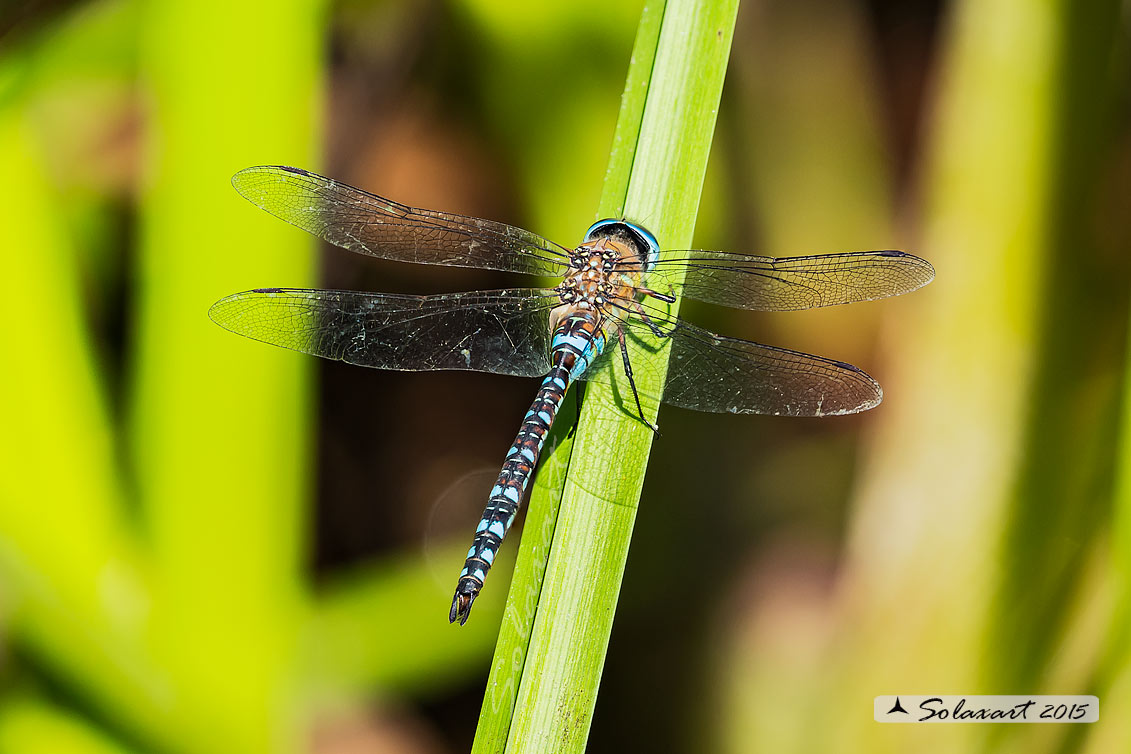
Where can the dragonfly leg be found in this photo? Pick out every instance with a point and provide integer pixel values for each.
(667, 299)
(656, 329)
(632, 382)
(578, 394)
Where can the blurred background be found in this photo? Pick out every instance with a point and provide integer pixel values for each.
(211, 545)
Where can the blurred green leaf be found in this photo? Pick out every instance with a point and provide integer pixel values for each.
(379, 626)
(30, 726)
(968, 552)
(65, 548)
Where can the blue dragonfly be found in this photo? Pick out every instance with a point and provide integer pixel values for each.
(614, 287)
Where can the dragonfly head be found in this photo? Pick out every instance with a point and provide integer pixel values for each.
(626, 232)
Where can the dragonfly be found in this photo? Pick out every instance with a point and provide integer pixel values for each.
(615, 288)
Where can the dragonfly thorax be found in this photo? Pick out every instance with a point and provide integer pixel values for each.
(597, 276)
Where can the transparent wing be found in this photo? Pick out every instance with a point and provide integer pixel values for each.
(505, 332)
(789, 283)
(709, 372)
(369, 224)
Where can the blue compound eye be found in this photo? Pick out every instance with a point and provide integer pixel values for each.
(595, 230)
(641, 235)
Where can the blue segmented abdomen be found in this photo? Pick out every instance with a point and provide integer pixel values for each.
(585, 347)
(577, 341)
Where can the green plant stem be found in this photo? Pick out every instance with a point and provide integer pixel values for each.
(549, 485)
(655, 177)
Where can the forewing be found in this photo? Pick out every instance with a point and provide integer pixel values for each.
(708, 372)
(504, 332)
(369, 224)
(788, 283)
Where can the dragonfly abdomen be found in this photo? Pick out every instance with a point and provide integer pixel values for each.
(578, 339)
(509, 490)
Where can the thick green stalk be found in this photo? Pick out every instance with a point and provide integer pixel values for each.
(655, 177)
(221, 426)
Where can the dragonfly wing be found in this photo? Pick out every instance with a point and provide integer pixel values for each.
(709, 372)
(789, 283)
(369, 224)
(505, 332)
